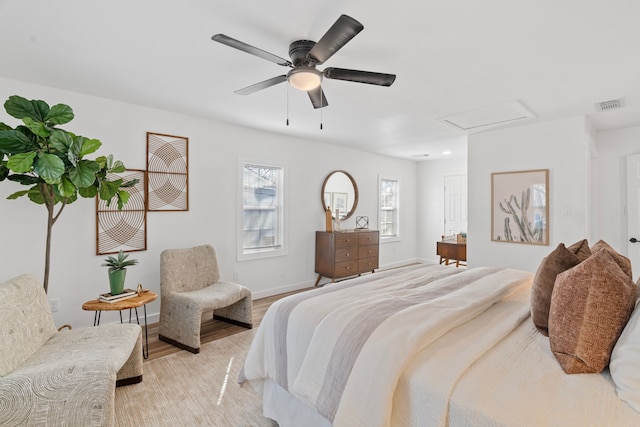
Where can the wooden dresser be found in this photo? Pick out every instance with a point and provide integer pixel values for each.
(346, 253)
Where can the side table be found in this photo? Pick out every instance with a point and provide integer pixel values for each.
(127, 304)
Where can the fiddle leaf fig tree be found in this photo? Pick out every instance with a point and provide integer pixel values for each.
(51, 162)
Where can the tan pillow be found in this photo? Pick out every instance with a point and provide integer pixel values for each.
(590, 305)
(559, 260)
(623, 261)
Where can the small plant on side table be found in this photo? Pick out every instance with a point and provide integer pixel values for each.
(118, 271)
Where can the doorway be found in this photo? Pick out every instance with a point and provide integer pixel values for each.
(455, 204)
(633, 206)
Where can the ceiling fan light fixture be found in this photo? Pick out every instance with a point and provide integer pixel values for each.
(304, 78)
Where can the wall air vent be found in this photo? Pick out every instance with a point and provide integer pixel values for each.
(614, 104)
(488, 117)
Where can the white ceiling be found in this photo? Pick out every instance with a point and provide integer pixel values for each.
(555, 57)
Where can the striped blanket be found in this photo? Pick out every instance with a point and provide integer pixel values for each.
(341, 349)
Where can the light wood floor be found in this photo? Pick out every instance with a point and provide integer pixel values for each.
(211, 329)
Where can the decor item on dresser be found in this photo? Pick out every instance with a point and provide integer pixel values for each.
(339, 187)
(32, 154)
(118, 271)
(520, 207)
(167, 172)
(189, 286)
(421, 345)
(328, 220)
(124, 228)
(362, 222)
(347, 253)
(59, 378)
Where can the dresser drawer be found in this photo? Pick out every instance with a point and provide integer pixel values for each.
(367, 264)
(347, 254)
(367, 251)
(346, 268)
(367, 238)
(345, 239)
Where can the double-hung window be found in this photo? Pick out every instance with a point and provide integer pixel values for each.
(389, 206)
(261, 222)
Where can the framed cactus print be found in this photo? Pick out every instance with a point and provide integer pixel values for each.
(520, 207)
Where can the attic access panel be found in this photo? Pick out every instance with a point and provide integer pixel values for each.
(488, 117)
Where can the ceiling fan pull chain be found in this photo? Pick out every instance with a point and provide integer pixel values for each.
(287, 105)
(321, 93)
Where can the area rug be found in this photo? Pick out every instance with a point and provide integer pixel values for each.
(185, 389)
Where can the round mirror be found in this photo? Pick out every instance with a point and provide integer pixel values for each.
(339, 192)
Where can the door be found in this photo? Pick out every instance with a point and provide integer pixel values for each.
(455, 204)
(633, 204)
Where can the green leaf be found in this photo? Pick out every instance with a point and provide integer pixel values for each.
(18, 194)
(108, 189)
(24, 179)
(21, 162)
(4, 126)
(49, 167)
(88, 192)
(117, 167)
(59, 114)
(13, 141)
(89, 146)
(123, 198)
(84, 174)
(19, 107)
(61, 140)
(35, 196)
(37, 127)
(130, 183)
(66, 188)
(4, 172)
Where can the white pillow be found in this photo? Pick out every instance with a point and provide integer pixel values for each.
(625, 362)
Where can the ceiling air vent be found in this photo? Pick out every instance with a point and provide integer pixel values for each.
(614, 104)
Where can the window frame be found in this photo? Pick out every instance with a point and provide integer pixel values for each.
(267, 252)
(396, 236)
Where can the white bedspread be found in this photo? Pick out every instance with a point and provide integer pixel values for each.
(330, 347)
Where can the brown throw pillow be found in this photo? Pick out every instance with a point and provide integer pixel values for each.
(559, 260)
(581, 249)
(623, 261)
(590, 305)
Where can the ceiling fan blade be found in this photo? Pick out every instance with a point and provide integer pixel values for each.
(380, 79)
(317, 97)
(262, 85)
(237, 44)
(343, 30)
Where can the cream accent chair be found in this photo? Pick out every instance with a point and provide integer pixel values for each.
(52, 378)
(190, 285)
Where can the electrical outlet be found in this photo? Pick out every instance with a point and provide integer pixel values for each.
(236, 275)
(55, 304)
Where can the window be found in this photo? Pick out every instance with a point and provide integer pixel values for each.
(261, 223)
(388, 216)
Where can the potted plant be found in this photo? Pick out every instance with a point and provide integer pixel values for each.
(51, 162)
(118, 271)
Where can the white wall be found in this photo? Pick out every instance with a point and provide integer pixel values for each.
(214, 149)
(609, 189)
(430, 187)
(563, 147)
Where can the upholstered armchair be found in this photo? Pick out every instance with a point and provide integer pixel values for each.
(189, 286)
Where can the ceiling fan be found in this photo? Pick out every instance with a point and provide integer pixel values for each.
(305, 55)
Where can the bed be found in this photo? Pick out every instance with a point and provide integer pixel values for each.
(422, 345)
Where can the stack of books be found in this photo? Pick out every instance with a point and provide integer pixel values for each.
(126, 294)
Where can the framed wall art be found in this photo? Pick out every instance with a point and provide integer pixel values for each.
(167, 172)
(520, 207)
(124, 229)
